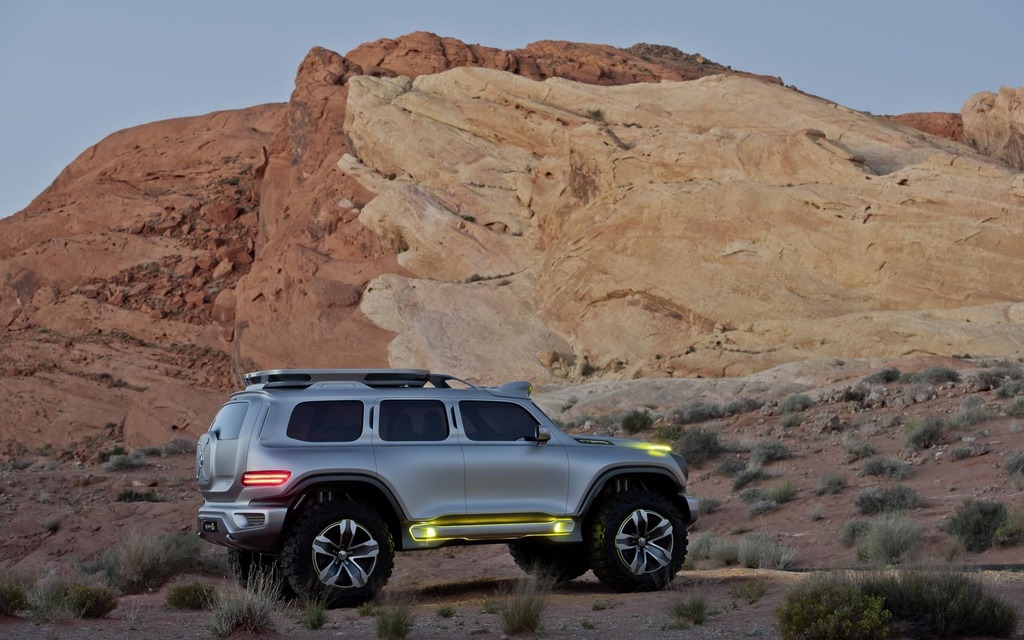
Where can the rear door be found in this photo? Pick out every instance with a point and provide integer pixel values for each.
(221, 451)
(505, 472)
(419, 456)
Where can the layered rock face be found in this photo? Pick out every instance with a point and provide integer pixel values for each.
(557, 212)
(674, 229)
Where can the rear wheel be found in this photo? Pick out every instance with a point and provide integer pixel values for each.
(560, 562)
(338, 552)
(637, 541)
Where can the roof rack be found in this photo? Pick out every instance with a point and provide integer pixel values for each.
(369, 377)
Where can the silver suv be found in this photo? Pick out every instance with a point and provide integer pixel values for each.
(326, 473)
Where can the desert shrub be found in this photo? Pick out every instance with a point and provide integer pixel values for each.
(699, 444)
(961, 452)
(730, 467)
(116, 450)
(762, 506)
(125, 462)
(751, 494)
(891, 539)
(831, 608)
(710, 505)
(250, 610)
(768, 450)
(750, 475)
(523, 607)
(636, 421)
(926, 432)
(750, 590)
(179, 446)
(742, 405)
(146, 452)
(897, 497)
(1014, 463)
(1011, 532)
(314, 614)
(831, 483)
(724, 551)
(367, 609)
(131, 495)
(1015, 409)
(854, 394)
(47, 599)
(783, 492)
(791, 421)
(12, 598)
(1010, 388)
(446, 611)
(975, 523)
(84, 601)
(760, 551)
(191, 595)
(934, 375)
(943, 604)
(796, 402)
(141, 561)
(853, 531)
(669, 433)
(889, 374)
(692, 609)
(886, 468)
(973, 411)
(857, 449)
(698, 411)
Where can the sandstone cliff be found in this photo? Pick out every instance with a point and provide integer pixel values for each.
(557, 212)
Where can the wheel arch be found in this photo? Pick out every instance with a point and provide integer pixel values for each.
(621, 479)
(358, 488)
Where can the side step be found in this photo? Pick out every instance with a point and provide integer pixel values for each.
(426, 532)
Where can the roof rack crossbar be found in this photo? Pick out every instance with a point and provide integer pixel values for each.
(307, 377)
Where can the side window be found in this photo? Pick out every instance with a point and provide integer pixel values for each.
(487, 421)
(413, 421)
(228, 423)
(326, 421)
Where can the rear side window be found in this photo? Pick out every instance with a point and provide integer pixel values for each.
(228, 423)
(326, 421)
(487, 421)
(413, 421)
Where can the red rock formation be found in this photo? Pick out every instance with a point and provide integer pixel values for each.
(936, 123)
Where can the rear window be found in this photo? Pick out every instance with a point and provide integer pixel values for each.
(228, 423)
(326, 421)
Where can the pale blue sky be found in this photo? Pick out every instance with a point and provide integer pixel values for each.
(73, 71)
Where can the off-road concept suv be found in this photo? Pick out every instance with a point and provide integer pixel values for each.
(326, 473)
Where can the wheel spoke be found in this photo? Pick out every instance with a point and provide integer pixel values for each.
(329, 577)
(368, 549)
(323, 545)
(659, 554)
(355, 573)
(664, 528)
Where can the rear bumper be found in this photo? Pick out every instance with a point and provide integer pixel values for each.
(243, 528)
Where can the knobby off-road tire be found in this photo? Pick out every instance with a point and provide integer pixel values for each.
(559, 562)
(637, 541)
(247, 566)
(338, 552)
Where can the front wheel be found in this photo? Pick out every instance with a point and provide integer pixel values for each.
(637, 541)
(340, 553)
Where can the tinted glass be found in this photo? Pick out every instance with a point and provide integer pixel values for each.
(327, 421)
(413, 421)
(228, 423)
(496, 421)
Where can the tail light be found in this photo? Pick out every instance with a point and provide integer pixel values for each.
(265, 478)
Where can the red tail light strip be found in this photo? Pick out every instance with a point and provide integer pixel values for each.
(265, 478)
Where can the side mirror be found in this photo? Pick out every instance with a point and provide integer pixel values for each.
(543, 435)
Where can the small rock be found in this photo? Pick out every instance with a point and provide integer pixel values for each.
(223, 270)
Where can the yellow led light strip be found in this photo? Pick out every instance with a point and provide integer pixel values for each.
(426, 532)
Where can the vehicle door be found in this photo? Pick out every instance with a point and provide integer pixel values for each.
(419, 457)
(508, 471)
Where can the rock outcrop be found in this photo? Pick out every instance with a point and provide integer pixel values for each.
(558, 212)
(994, 124)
